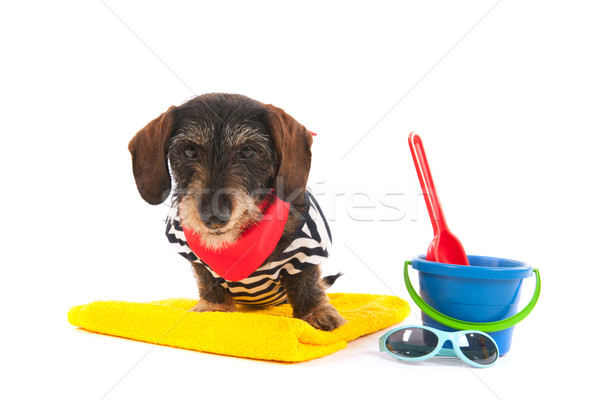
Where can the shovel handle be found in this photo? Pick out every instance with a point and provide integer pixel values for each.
(436, 215)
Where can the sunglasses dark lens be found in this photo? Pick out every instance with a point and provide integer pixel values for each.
(478, 348)
(412, 342)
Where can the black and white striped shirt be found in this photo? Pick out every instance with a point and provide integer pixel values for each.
(309, 246)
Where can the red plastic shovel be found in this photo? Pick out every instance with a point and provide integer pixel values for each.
(445, 246)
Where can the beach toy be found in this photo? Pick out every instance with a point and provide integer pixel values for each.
(445, 246)
(460, 292)
(483, 296)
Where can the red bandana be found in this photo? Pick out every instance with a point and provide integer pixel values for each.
(253, 247)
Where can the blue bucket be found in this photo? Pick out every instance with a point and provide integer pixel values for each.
(486, 291)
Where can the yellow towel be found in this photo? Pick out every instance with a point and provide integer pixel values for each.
(266, 334)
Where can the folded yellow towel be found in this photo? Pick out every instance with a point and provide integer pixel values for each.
(266, 334)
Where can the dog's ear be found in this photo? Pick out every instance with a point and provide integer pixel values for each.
(292, 147)
(148, 150)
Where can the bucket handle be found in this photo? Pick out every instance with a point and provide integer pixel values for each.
(464, 325)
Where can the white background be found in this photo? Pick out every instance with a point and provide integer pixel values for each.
(508, 109)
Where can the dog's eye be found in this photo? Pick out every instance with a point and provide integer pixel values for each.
(190, 152)
(247, 153)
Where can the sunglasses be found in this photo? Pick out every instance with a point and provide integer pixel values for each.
(416, 343)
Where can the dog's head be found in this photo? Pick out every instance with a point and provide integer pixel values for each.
(227, 153)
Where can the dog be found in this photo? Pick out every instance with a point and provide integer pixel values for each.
(241, 212)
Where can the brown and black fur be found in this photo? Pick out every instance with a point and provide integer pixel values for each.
(227, 153)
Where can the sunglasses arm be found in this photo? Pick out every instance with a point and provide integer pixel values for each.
(382, 343)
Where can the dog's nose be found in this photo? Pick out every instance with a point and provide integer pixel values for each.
(214, 221)
(215, 211)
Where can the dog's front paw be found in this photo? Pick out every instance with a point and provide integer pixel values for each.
(204, 306)
(324, 317)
